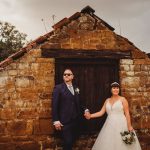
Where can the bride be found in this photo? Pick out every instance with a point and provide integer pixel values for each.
(118, 120)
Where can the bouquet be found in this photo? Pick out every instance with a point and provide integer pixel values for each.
(128, 137)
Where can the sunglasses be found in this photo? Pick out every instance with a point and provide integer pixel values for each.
(67, 74)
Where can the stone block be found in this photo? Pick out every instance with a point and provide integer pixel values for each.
(44, 95)
(144, 68)
(99, 46)
(137, 68)
(28, 95)
(22, 82)
(77, 45)
(130, 73)
(26, 72)
(13, 65)
(27, 113)
(7, 114)
(3, 74)
(66, 46)
(3, 81)
(126, 62)
(44, 60)
(131, 82)
(7, 146)
(27, 58)
(12, 72)
(5, 138)
(28, 146)
(146, 122)
(46, 66)
(35, 53)
(48, 144)
(124, 67)
(139, 61)
(24, 138)
(51, 45)
(35, 67)
(43, 126)
(23, 66)
(2, 128)
(45, 113)
(46, 103)
(18, 127)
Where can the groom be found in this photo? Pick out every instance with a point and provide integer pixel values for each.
(66, 110)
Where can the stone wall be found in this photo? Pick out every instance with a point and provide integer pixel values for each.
(25, 98)
(87, 33)
(135, 84)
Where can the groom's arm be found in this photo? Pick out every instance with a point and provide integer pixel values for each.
(55, 104)
(55, 107)
(83, 107)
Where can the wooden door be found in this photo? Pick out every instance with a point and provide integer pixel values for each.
(93, 77)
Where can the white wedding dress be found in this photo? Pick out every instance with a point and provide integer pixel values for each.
(109, 137)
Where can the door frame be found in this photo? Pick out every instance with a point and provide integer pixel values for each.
(78, 61)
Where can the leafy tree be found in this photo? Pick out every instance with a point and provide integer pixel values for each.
(11, 40)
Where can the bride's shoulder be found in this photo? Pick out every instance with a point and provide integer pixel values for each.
(107, 100)
(123, 99)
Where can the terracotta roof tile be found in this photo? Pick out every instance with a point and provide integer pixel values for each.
(61, 23)
(74, 16)
(105, 23)
(41, 39)
(6, 62)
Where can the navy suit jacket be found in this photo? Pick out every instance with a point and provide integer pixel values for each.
(62, 103)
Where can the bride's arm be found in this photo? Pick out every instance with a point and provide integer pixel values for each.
(99, 113)
(127, 114)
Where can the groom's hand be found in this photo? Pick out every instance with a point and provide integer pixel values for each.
(58, 126)
(87, 115)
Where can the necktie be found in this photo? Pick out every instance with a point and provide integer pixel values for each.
(71, 89)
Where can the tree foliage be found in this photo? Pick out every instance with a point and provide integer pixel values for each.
(11, 40)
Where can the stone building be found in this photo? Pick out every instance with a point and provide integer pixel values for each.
(97, 55)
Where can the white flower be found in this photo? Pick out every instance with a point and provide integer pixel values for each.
(128, 136)
(77, 90)
(124, 138)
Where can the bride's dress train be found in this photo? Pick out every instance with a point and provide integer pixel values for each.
(109, 137)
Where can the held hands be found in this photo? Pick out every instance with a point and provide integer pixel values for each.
(87, 115)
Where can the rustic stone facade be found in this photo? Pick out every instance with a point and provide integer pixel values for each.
(135, 83)
(25, 91)
(27, 80)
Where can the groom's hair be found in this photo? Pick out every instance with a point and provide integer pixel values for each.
(68, 69)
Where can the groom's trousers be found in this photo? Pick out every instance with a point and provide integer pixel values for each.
(70, 133)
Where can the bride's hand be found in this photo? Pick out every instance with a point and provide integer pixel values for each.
(87, 115)
(130, 128)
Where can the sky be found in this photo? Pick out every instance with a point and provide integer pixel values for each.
(130, 18)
